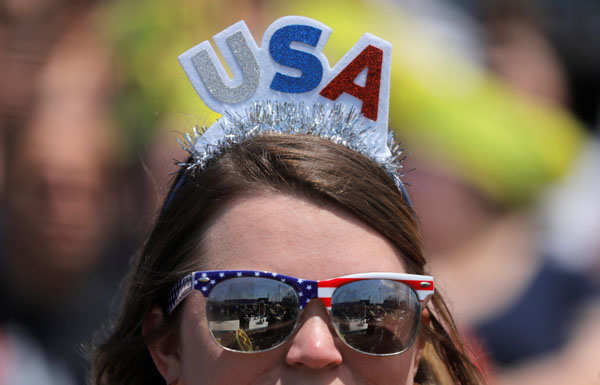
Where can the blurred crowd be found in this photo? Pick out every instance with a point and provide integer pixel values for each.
(497, 102)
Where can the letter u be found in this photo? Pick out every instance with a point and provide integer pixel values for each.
(214, 82)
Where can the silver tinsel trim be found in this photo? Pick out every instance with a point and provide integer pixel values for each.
(336, 122)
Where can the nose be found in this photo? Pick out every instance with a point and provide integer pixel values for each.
(313, 345)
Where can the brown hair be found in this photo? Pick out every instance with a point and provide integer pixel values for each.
(315, 168)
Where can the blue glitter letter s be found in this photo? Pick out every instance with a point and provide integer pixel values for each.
(309, 65)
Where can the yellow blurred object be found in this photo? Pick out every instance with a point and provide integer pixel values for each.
(451, 110)
(440, 104)
(243, 340)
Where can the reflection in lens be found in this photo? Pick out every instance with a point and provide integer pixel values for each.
(376, 316)
(251, 314)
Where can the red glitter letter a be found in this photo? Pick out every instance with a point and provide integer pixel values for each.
(370, 57)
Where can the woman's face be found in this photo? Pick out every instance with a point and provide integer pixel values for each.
(288, 235)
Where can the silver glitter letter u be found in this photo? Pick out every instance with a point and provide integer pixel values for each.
(213, 81)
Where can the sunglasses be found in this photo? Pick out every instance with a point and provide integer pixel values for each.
(254, 311)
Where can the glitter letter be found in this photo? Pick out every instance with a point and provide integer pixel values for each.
(372, 58)
(213, 81)
(309, 65)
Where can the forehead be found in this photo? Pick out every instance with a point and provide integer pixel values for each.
(290, 235)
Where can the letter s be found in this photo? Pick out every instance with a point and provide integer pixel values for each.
(309, 65)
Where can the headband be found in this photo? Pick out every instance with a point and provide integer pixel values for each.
(287, 86)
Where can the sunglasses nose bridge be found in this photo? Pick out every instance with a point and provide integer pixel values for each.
(320, 307)
(326, 303)
(324, 294)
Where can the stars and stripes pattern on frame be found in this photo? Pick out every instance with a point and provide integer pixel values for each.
(205, 281)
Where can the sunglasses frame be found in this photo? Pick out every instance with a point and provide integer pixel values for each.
(205, 281)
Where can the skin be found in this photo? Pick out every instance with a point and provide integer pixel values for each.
(285, 234)
(60, 204)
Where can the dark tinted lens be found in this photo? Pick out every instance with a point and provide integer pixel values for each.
(376, 316)
(251, 314)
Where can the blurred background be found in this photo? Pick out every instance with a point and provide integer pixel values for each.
(496, 101)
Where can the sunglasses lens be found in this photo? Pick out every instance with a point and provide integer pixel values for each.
(376, 316)
(250, 314)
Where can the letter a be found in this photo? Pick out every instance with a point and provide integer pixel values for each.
(372, 58)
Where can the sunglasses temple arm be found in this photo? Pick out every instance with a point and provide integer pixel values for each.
(183, 288)
(425, 298)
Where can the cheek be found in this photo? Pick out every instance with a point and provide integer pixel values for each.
(391, 370)
(205, 363)
(197, 352)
